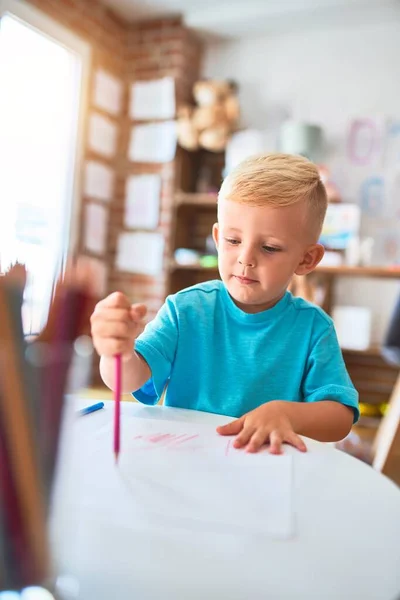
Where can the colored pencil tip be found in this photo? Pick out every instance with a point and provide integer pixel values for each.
(116, 455)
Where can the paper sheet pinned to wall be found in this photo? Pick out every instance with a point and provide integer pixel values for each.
(185, 475)
(95, 239)
(365, 141)
(153, 99)
(142, 202)
(153, 143)
(99, 181)
(103, 135)
(140, 253)
(107, 92)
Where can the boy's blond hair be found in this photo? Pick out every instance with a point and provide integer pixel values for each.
(277, 180)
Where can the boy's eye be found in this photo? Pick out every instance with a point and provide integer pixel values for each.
(271, 249)
(232, 241)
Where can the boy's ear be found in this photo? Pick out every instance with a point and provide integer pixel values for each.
(215, 234)
(312, 256)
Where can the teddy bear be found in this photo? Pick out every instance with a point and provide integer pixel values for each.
(212, 120)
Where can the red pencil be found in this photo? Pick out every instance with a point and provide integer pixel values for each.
(117, 407)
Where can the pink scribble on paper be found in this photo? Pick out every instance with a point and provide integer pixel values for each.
(228, 445)
(167, 440)
(158, 437)
(191, 437)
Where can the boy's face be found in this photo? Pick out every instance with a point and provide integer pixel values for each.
(259, 250)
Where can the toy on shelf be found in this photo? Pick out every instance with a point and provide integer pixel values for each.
(210, 123)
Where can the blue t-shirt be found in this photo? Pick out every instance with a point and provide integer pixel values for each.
(217, 358)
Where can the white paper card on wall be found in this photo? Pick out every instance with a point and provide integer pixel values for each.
(153, 99)
(365, 141)
(96, 228)
(153, 143)
(142, 203)
(99, 181)
(140, 253)
(107, 92)
(102, 135)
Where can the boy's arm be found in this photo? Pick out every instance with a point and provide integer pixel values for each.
(325, 421)
(156, 348)
(135, 372)
(150, 360)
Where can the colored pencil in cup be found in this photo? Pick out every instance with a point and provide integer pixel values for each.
(117, 407)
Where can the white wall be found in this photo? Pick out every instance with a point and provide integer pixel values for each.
(325, 76)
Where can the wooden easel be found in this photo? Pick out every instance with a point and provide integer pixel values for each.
(386, 446)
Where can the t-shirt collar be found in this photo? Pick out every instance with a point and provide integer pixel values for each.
(261, 317)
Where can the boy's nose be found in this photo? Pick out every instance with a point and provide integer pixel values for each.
(245, 264)
(246, 260)
(246, 257)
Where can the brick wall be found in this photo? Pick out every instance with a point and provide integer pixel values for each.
(144, 51)
(154, 49)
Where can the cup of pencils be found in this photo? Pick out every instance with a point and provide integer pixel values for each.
(33, 382)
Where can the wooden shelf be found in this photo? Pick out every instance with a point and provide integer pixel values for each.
(340, 271)
(202, 200)
(383, 272)
(372, 351)
(174, 266)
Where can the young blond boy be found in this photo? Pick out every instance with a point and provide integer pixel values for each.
(244, 346)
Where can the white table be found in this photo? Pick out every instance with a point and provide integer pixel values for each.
(347, 544)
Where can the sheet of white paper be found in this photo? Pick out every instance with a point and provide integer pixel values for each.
(142, 203)
(153, 99)
(184, 475)
(96, 228)
(365, 141)
(102, 135)
(99, 181)
(153, 143)
(107, 92)
(140, 253)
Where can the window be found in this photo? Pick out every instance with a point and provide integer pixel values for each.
(41, 89)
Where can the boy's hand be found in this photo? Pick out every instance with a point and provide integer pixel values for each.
(265, 423)
(115, 324)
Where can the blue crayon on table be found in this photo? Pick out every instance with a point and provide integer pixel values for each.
(92, 408)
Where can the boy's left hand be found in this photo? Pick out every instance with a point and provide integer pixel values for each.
(267, 423)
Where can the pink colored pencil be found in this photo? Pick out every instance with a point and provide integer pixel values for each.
(117, 407)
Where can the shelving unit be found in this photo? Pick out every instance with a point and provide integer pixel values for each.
(376, 272)
(193, 199)
(194, 215)
(213, 271)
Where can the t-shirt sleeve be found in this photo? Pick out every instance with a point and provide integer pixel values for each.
(326, 375)
(157, 344)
